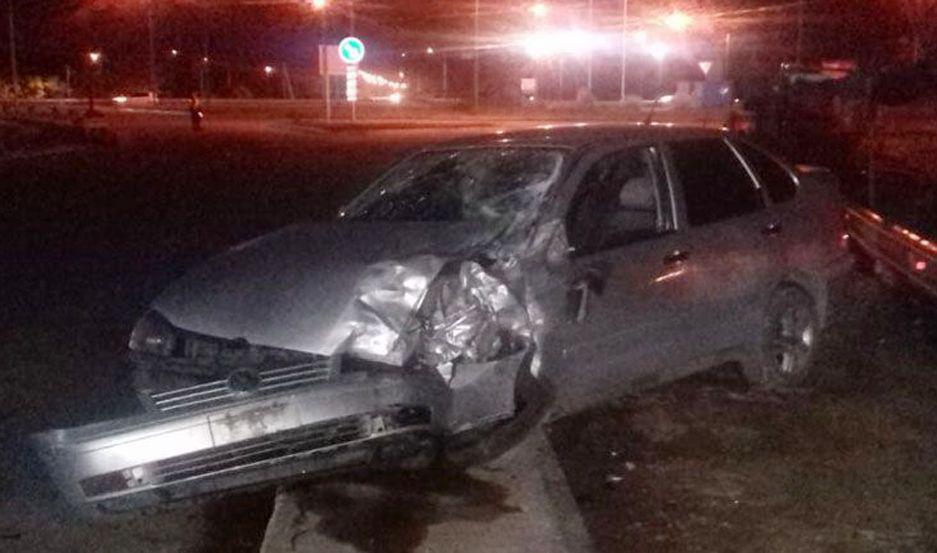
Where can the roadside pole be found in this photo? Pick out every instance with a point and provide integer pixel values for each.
(351, 88)
(624, 48)
(14, 74)
(151, 26)
(476, 68)
(326, 82)
(591, 11)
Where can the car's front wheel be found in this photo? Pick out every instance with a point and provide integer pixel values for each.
(789, 334)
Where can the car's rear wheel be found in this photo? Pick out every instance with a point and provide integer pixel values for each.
(788, 341)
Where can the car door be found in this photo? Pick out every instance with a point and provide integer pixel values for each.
(730, 238)
(628, 280)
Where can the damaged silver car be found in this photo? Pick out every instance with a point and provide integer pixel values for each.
(468, 292)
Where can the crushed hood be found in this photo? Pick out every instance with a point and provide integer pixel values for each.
(294, 288)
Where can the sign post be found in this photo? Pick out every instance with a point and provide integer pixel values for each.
(351, 87)
(351, 51)
(326, 76)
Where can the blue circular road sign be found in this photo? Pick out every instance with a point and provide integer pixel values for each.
(351, 50)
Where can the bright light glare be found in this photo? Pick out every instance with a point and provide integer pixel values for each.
(544, 44)
(377, 80)
(268, 70)
(658, 50)
(395, 98)
(678, 21)
(174, 52)
(640, 37)
(318, 4)
(430, 50)
(120, 99)
(95, 57)
(539, 10)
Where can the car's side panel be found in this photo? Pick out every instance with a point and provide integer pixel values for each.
(911, 255)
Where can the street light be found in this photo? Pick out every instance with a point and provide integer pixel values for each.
(94, 58)
(678, 21)
(268, 70)
(318, 4)
(174, 52)
(539, 10)
(430, 50)
(658, 50)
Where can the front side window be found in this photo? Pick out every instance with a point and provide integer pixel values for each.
(619, 201)
(490, 185)
(716, 185)
(779, 183)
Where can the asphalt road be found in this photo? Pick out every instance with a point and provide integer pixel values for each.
(90, 235)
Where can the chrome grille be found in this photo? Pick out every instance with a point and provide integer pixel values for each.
(258, 450)
(218, 392)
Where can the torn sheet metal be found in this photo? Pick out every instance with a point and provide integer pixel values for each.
(380, 322)
(470, 316)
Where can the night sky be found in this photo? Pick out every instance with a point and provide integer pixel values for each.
(242, 34)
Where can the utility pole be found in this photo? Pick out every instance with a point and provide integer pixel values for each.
(205, 73)
(476, 47)
(589, 61)
(800, 31)
(624, 47)
(151, 24)
(445, 76)
(727, 63)
(14, 75)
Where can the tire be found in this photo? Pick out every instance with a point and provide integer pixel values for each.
(789, 333)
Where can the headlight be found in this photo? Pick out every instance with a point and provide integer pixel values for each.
(153, 334)
(470, 316)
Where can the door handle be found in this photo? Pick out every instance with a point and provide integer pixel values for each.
(772, 229)
(676, 257)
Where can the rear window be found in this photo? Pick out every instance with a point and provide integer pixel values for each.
(716, 185)
(773, 176)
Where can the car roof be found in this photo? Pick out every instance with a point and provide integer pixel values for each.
(584, 135)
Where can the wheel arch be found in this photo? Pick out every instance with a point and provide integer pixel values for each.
(811, 284)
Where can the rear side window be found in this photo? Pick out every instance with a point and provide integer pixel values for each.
(773, 176)
(716, 185)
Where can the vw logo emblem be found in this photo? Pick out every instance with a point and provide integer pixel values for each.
(243, 381)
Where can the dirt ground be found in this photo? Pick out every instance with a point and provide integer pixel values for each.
(848, 465)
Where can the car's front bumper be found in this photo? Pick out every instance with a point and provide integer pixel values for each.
(385, 417)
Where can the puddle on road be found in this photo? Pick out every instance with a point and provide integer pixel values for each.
(236, 523)
(392, 513)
